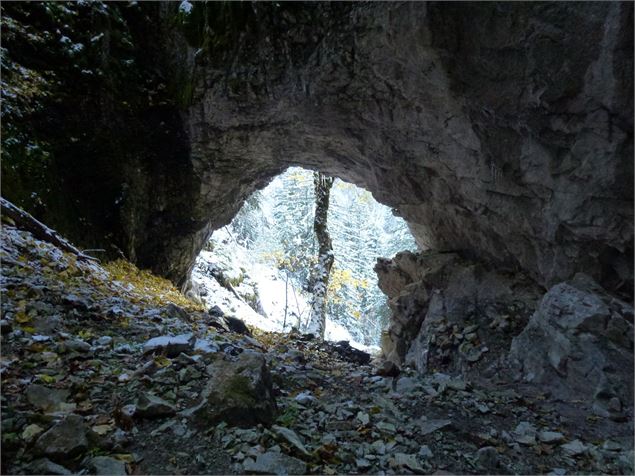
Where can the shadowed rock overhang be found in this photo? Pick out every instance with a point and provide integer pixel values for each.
(502, 131)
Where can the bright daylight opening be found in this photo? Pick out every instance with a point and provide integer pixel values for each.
(261, 267)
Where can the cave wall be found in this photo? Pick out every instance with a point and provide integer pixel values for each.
(502, 131)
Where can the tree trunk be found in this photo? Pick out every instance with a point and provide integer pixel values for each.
(322, 271)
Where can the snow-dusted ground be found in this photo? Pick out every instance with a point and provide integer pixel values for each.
(269, 285)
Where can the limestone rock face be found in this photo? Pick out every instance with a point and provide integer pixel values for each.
(579, 342)
(500, 142)
(458, 316)
(501, 130)
(452, 314)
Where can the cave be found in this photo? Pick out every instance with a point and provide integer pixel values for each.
(496, 130)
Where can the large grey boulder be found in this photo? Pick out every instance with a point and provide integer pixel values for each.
(579, 343)
(238, 392)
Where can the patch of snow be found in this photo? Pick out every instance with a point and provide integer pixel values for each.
(185, 7)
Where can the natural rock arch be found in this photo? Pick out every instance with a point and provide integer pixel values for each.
(503, 131)
(497, 130)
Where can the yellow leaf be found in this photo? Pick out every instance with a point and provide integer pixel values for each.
(46, 378)
(125, 457)
(162, 361)
(22, 317)
(103, 429)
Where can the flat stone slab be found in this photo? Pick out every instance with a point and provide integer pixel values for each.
(172, 346)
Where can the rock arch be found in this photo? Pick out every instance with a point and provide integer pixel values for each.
(495, 130)
(502, 131)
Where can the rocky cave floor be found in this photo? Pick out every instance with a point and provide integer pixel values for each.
(91, 383)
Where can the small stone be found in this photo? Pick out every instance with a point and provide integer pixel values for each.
(487, 457)
(456, 384)
(291, 437)
(64, 440)
(407, 384)
(305, 398)
(363, 418)
(77, 345)
(425, 452)
(239, 456)
(203, 346)
(406, 461)
(609, 445)
(525, 433)
(40, 338)
(31, 431)
(615, 405)
(362, 464)
(45, 398)
(574, 448)
(123, 349)
(385, 426)
(104, 340)
(151, 406)
(430, 426)
(274, 463)
(550, 437)
(106, 465)
(171, 346)
(558, 472)
(378, 447)
(46, 466)
(328, 439)
(482, 408)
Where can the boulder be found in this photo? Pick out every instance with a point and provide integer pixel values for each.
(64, 440)
(239, 392)
(579, 344)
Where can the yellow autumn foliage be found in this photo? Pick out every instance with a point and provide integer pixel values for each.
(154, 290)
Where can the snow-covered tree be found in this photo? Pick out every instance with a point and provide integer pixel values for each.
(276, 226)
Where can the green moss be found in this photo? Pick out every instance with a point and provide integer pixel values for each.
(238, 389)
(237, 281)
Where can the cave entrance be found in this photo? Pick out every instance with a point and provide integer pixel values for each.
(258, 267)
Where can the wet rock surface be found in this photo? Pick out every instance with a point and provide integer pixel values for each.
(118, 409)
